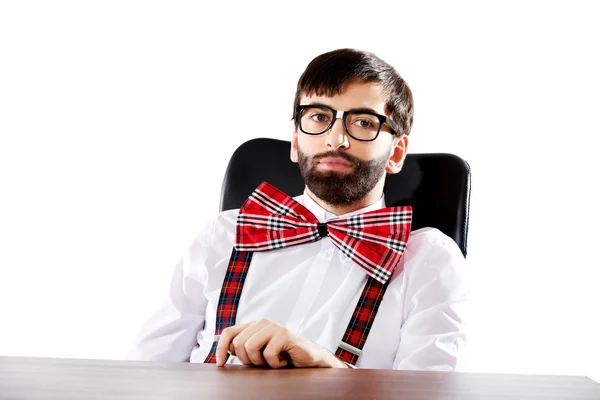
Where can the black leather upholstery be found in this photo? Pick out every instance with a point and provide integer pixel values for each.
(437, 186)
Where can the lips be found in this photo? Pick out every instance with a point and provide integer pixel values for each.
(335, 163)
(338, 161)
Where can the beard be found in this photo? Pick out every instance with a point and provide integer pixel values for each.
(344, 188)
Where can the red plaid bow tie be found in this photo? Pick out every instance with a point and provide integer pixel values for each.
(270, 219)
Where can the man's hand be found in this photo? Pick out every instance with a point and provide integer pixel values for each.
(265, 342)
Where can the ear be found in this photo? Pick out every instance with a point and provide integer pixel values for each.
(398, 153)
(294, 148)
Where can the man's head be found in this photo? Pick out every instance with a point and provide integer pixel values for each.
(352, 114)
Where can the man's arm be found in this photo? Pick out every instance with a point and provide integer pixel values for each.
(433, 332)
(171, 333)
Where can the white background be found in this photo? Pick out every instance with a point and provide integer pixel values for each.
(117, 120)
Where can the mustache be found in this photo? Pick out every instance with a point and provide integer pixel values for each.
(351, 159)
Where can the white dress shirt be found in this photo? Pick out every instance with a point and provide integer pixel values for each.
(312, 289)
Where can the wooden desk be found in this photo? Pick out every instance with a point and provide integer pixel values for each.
(47, 378)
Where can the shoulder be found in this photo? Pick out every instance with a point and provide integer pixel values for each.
(217, 228)
(225, 221)
(432, 259)
(431, 243)
(212, 243)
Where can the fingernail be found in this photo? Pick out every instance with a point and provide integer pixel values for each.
(218, 360)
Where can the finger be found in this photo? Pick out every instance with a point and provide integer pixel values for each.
(239, 342)
(274, 352)
(225, 340)
(257, 342)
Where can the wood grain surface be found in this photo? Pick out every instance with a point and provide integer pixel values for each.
(49, 378)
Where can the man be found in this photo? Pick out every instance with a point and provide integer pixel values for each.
(303, 299)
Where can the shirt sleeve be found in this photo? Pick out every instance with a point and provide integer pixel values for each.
(171, 332)
(433, 332)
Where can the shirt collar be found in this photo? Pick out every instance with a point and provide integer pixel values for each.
(324, 215)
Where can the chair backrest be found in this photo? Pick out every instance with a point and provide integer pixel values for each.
(437, 186)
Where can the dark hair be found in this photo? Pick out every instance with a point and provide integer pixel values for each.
(328, 74)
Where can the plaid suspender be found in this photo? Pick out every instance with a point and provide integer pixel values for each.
(356, 333)
(233, 283)
(362, 319)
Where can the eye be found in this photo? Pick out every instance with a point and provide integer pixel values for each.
(319, 117)
(363, 123)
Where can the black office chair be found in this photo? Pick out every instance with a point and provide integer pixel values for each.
(437, 186)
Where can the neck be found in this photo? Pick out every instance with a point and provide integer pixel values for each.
(371, 197)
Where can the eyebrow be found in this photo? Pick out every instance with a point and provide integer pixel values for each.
(359, 110)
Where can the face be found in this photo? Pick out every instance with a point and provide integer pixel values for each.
(339, 169)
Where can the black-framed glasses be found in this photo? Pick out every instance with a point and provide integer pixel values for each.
(359, 124)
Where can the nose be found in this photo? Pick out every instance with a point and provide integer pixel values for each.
(337, 138)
